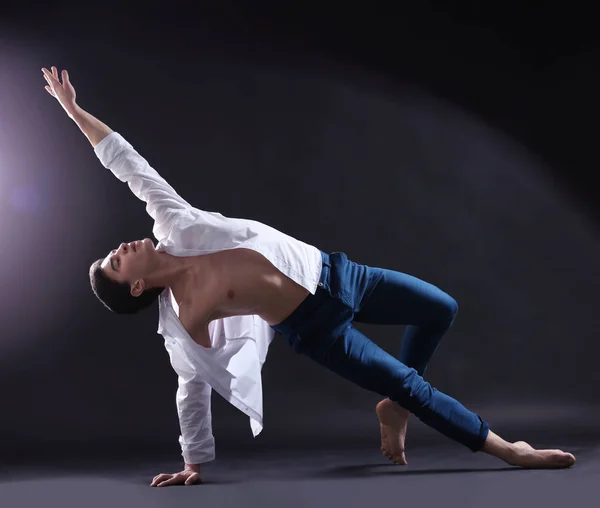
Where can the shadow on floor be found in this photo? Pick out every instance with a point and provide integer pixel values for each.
(367, 470)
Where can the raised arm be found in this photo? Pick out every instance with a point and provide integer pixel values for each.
(65, 93)
(164, 204)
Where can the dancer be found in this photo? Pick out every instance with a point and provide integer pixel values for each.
(224, 286)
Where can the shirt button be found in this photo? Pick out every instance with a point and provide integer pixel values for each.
(320, 284)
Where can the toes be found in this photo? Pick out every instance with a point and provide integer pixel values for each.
(398, 458)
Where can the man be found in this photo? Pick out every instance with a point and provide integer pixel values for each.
(225, 286)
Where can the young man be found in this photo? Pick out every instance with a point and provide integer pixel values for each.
(225, 286)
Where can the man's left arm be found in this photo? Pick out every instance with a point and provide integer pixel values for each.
(163, 203)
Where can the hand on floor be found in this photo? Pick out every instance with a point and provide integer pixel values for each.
(185, 477)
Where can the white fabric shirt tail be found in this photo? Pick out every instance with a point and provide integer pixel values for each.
(232, 366)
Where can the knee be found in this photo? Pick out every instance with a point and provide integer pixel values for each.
(449, 309)
(452, 307)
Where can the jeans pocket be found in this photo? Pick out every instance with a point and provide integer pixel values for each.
(374, 276)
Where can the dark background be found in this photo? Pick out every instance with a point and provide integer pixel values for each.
(457, 144)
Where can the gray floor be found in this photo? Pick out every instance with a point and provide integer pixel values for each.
(440, 476)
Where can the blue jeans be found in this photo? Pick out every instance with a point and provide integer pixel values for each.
(322, 329)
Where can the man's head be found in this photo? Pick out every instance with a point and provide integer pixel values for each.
(121, 279)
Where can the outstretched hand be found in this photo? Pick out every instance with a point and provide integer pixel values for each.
(63, 92)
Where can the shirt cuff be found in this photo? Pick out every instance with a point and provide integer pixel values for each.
(198, 453)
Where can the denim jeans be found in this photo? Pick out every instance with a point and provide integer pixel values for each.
(322, 329)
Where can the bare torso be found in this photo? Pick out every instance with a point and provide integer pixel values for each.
(238, 282)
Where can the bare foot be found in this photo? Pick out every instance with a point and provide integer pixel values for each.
(393, 420)
(528, 457)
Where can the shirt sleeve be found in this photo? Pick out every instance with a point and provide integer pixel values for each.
(194, 411)
(163, 203)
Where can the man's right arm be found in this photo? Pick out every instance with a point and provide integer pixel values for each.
(194, 412)
(195, 422)
(196, 439)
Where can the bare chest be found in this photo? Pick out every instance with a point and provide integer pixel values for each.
(241, 282)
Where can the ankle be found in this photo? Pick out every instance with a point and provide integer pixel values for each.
(397, 407)
(512, 454)
(498, 447)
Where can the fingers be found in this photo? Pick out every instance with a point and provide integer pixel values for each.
(193, 479)
(164, 480)
(49, 76)
(159, 478)
(50, 87)
(52, 77)
(175, 480)
(52, 82)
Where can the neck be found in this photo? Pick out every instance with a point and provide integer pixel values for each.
(171, 272)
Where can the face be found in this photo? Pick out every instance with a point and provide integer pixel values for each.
(130, 263)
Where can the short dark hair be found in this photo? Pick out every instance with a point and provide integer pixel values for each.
(116, 296)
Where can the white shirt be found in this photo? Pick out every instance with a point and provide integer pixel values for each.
(233, 365)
